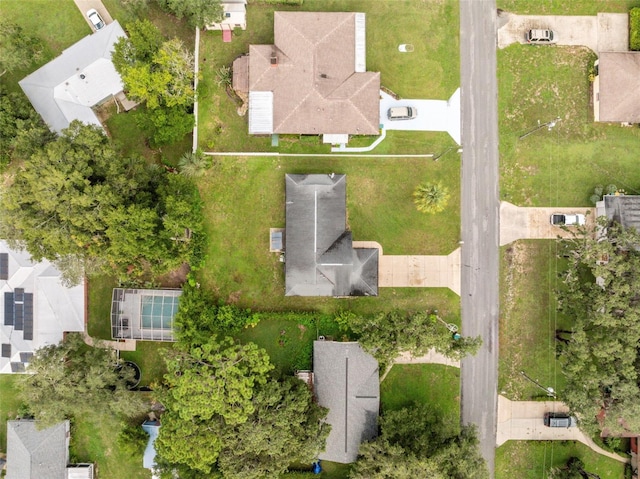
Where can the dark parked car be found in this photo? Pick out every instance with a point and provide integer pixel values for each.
(559, 419)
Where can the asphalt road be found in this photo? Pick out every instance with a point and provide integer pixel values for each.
(480, 218)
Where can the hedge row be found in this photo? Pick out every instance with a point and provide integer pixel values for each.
(278, 2)
(634, 29)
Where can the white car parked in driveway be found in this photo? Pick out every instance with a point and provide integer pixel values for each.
(95, 19)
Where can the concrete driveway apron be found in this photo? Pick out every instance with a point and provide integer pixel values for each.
(85, 5)
(605, 32)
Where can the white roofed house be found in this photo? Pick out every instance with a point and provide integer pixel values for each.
(37, 308)
(82, 77)
(234, 15)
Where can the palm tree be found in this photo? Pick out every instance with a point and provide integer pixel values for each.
(431, 197)
(193, 164)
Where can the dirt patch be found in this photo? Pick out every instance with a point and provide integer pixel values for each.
(175, 278)
(303, 329)
(234, 297)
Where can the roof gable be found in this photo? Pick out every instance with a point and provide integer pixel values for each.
(316, 71)
(68, 86)
(320, 258)
(41, 313)
(346, 381)
(37, 454)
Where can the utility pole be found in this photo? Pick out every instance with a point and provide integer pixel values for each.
(550, 392)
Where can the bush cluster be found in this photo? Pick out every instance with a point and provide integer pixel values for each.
(634, 29)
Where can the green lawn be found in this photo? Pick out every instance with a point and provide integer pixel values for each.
(564, 7)
(221, 129)
(243, 198)
(529, 318)
(148, 356)
(9, 405)
(99, 307)
(533, 459)
(93, 439)
(559, 167)
(58, 28)
(432, 384)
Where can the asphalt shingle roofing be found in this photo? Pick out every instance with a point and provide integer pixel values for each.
(346, 381)
(320, 258)
(37, 454)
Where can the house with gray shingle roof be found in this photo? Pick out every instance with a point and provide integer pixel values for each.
(621, 209)
(320, 259)
(83, 76)
(34, 453)
(313, 79)
(346, 381)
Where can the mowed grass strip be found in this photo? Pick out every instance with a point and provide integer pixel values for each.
(9, 404)
(529, 319)
(534, 459)
(434, 385)
(563, 7)
(430, 71)
(244, 197)
(94, 439)
(558, 167)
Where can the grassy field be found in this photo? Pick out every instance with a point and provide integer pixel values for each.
(243, 198)
(388, 26)
(93, 439)
(533, 459)
(529, 318)
(432, 384)
(562, 166)
(9, 405)
(564, 7)
(58, 28)
(148, 355)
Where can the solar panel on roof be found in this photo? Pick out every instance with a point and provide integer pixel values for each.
(8, 309)
(4, 266)
(19, 295)
(17, 368)
(6, 350)
(28, 316)
(26, 357)
(18, 317)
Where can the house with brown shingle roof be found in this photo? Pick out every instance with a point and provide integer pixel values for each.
(616, 89)
(313, 79)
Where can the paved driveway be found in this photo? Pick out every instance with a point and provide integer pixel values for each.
(416, 271)
(433, 115)
(523, 421)
(534, 223)
(85, 5)
(605, 32)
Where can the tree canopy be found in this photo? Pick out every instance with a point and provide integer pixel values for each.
(414, 442)
(18, 49)
(77, 198)
(153, 70)
(601, 359)
(197, 12)
(386, 334)
(225, 414)
(71, 379)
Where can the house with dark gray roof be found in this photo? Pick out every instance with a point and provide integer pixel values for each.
(320, 259)
(83, 76)
(621, 209)
(34, 453)
(313, 79)
(37, 307)
(346, 381)
(616, 88)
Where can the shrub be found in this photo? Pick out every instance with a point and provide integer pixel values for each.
(634, 29)
(431, 197)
